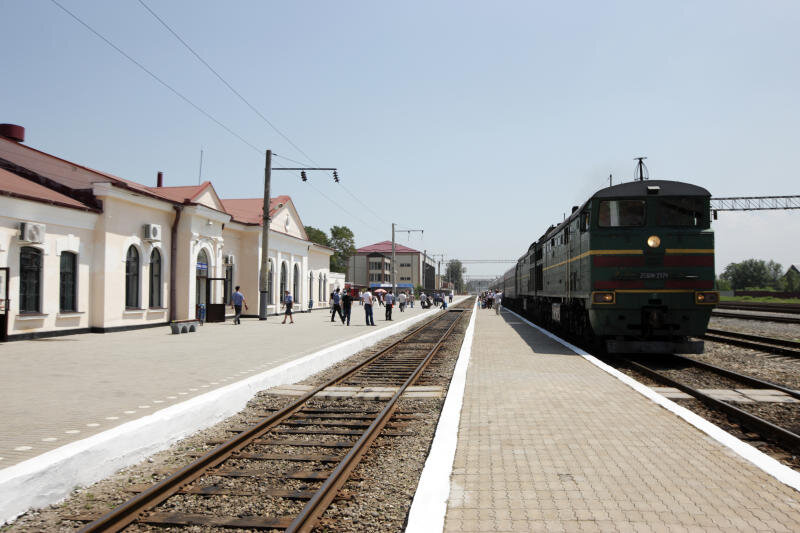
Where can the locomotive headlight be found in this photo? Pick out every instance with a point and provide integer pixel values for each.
(603, 297)
(707, 297)
(653, 241)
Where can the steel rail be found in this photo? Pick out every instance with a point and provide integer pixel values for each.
(760, 346)
(756, 338)
(737, 376)
(762, 318)
(791, 309)
(784, 437)
(123, 515)
(318, 503)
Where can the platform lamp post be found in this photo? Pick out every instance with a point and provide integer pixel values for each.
(265, 273)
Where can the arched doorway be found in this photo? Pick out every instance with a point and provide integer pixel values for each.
(270, 291)
(201, 275)
(283, 283)
(310, 288)
(296, 285)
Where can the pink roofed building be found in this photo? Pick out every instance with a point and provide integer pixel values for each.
(371, 266)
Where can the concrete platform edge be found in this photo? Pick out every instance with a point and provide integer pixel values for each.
(429, 506)
(49, 478)
(764, 462)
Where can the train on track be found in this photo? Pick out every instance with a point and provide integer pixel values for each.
(630, 271)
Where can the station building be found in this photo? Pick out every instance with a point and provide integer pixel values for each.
(82, 250)
(371, 266)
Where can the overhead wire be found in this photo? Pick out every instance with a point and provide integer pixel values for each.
(255, 110)
(223, 80)
(155, 77)
(196, 106)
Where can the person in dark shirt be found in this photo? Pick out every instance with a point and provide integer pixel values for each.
(347, 302)
(337, 305)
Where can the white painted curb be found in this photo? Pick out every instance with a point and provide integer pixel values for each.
(50, 477)
(429, 506)
(774, 468)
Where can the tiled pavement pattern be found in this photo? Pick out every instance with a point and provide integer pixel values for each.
(549, 442)
(62, 389)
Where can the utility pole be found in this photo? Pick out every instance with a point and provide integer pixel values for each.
(394, 267)
(265, 273)
(441, 258)
(609, 180)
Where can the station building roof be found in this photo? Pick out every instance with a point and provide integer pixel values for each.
(16, 186)
(47, 178)
(386, 247)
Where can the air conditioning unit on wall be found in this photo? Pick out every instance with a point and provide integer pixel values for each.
(152, 232)
(32, 233)
(230, 259)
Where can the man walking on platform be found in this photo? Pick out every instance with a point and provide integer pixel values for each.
(347, 303)
(389, 301)
(238, 301)
(401, 300)
(288, 301)
(337, 307)
(498, 299)
(367, 299)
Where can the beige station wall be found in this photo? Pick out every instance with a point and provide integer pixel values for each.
(67, 230)
(121, 227)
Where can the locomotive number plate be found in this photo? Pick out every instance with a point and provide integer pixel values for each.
(653, 275)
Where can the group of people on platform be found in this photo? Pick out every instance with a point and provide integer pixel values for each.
(342, 303)
(491, 299)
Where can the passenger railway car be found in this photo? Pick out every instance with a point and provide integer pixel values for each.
(632, 269)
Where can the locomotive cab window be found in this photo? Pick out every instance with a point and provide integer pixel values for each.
(584, 222)
(685, 211)
(621, 213)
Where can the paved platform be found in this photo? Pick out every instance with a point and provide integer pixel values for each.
(550, 442)
(62, 389)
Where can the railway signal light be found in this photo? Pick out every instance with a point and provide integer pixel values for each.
(303, 175)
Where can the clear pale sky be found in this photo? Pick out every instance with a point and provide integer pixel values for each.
(480, 122)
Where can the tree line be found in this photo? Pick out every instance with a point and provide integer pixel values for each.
(758, 274)
(341, 240)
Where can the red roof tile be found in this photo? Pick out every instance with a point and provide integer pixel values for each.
(386, 246)
(13, 185)
(180, 194)
(250, 210)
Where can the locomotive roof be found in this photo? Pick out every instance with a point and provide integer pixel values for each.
(639, 188)
(631, 188)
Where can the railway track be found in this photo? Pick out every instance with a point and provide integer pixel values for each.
(793, 309)
(755, 342)
(760, 318)
(787, 438)
(311, 447)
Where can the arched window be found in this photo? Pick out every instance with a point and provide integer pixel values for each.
(270, 294)
(30, 280)
(311, 286)
(321, 292)
(296, 284)
(132, 278)
(66, 294)
(155, 278)
(283, 282)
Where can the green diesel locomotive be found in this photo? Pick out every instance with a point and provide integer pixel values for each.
(631, 270)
